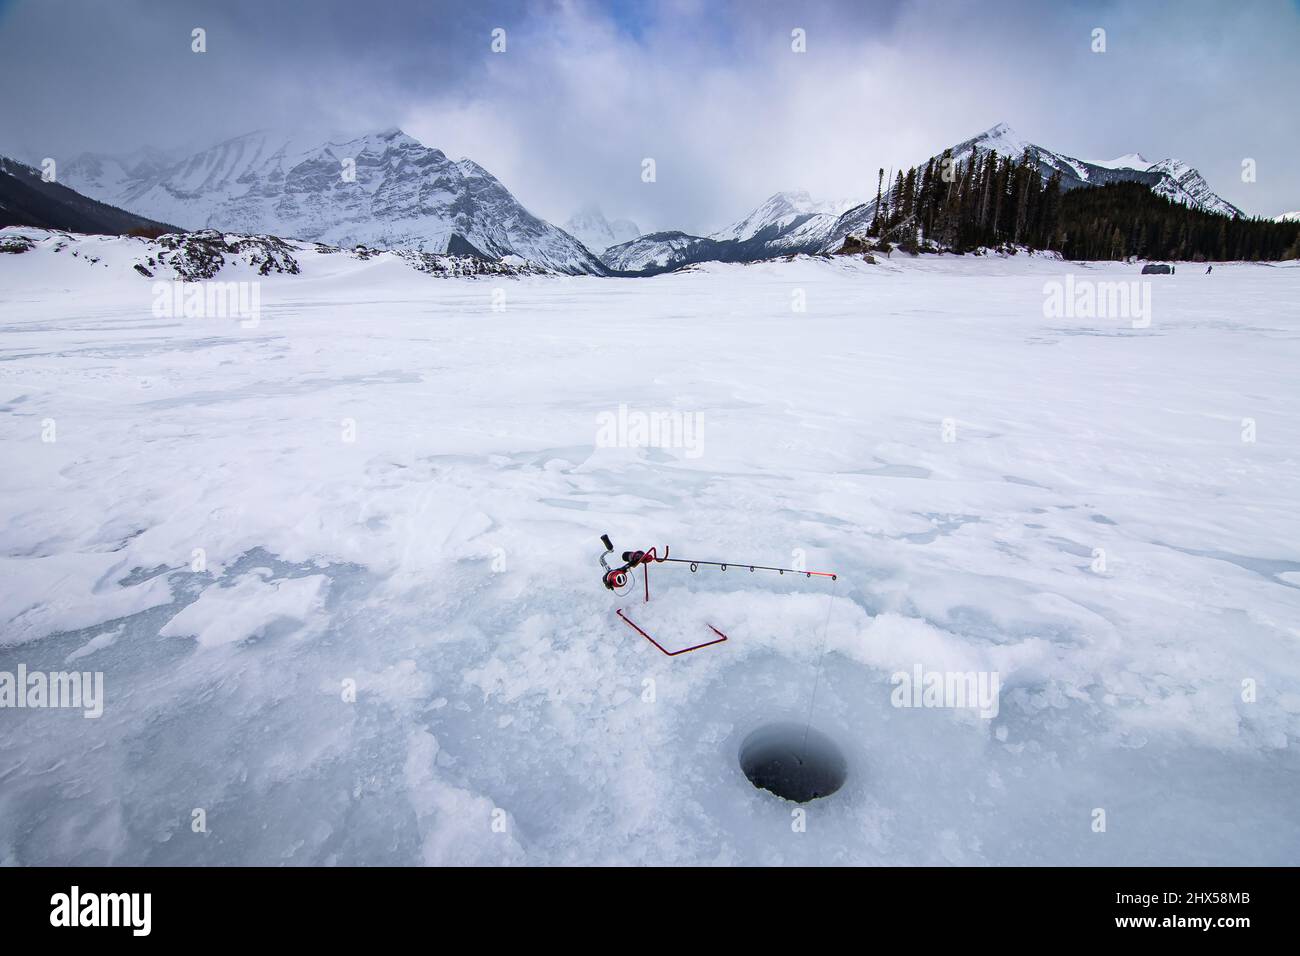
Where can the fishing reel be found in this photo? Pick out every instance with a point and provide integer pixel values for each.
(615, 578)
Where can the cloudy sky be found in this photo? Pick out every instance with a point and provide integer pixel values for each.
(711, 89)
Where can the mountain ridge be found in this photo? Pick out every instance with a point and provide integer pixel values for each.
(779, 227)
(26, 199)
(403, 194)
(382, 189)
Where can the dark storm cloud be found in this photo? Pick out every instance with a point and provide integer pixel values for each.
(710, 90)
(123, 73)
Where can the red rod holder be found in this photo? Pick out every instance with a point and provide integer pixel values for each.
(645, 570)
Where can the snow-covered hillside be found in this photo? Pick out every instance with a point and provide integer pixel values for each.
(786, 223)
(385, 189)
(786, 218)
(1183, 184)
(209, 254)
(1127, 161)
(109, 175)
(659, 252)
(590, 227)
(28, 199)
(339, 568)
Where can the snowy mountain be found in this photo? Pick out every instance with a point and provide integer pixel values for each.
(660, 252)
(1171, 178)
(27, 200)
(787, 218)
(590, 227)
(785, 224)
(385, 189)
(1185, 185)
(1127, 161)
(112, 175)
(1288, 217)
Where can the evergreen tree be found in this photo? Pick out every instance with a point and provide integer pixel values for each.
(875, 219)
(895, 200)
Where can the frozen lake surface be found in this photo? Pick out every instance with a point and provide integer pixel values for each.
(394, 482)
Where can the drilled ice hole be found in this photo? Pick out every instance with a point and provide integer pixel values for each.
(793, 761)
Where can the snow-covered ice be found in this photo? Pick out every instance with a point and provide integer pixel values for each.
(340, 569)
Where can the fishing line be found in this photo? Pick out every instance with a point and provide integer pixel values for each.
(803, 750)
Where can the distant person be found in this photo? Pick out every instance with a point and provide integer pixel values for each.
(1209, 269)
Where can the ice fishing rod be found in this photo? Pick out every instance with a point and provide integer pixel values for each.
(615, 578)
